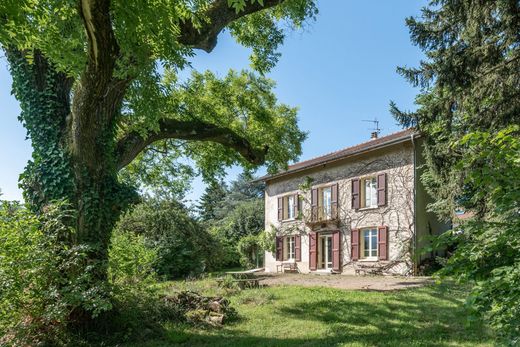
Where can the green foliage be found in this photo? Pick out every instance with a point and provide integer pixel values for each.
(183, 248)
(250, 251)
(467, 108)
(48, 175)
(44, 281)
(88, 106)
(130, 259)
(160, 171)
(267, 238)
(145, 31)
(211, 200)
(235, 213)
(488, 248)
(242, 101)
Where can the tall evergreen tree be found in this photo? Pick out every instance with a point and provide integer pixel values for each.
(469, 112)
(212, 200)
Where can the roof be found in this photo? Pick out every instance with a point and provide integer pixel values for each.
(384, 141)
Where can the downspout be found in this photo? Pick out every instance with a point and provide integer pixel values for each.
(414, 245)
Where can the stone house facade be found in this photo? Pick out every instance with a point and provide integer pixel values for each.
(359, 209)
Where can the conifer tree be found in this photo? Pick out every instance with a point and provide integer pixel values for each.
(469, 112)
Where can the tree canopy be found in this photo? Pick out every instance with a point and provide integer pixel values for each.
(469, 111)
(98, 86)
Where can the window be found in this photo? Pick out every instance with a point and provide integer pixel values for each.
(326, 203)
(369, 192)
(289, 242)
(369, 243)
(290, 207)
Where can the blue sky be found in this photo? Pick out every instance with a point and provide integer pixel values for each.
(339, 71)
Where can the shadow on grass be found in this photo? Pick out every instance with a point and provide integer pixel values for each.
(431, 318)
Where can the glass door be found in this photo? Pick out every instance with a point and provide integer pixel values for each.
(325, 252)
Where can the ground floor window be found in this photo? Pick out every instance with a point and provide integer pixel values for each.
(289, 243)
(369, 243)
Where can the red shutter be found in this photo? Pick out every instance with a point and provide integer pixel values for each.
(313, 247)
(355, 193)
(280, 209)
(279, 248)
(296, 206)
(381, 189)
(382, 243)
(354, 242)
(336, 251)
(298, 248)
(314, 205)
(334, 201)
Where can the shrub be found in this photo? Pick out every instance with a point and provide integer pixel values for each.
(130, 260)
(182, 246)
(250, 250)
(43, 279)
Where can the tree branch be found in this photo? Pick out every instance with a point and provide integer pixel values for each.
(132, 144)
(219, 16)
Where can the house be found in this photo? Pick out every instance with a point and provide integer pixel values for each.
(359, 209)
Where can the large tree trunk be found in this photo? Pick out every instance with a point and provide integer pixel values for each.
(73, 156)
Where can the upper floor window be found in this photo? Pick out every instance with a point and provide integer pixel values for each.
(324, 203)
(288, 207)
(369, 192)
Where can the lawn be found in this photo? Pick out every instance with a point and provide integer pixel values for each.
(299, 316)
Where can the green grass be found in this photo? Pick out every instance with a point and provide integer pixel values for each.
(298, 316)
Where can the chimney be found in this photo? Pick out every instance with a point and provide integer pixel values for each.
(373, 135)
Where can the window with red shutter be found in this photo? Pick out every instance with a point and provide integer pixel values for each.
(280, 209)
(296, 205)
(313, 247)
(355, 193)
(336, 250)
(297, 248)
(381, 189)
(279, 248)
(354, 242)
(382, 242)
(334, 201)
(314, 204)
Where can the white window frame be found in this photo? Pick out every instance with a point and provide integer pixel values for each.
(369, 192)
(371, 250)
(290, 207)
(326, 202)
(289, 245)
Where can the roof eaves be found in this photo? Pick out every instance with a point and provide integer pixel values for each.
(336, 156)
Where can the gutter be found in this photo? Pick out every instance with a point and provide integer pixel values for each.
(414, 245)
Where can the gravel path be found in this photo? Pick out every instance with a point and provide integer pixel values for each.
(378, 283)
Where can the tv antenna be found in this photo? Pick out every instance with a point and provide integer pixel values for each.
(376, 130)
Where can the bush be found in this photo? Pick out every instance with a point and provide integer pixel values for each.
(250, 250)
(183, 248)
(43, 279)
(488, 246)
(130, 260)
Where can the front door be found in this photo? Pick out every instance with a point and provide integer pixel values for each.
(325, 252)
